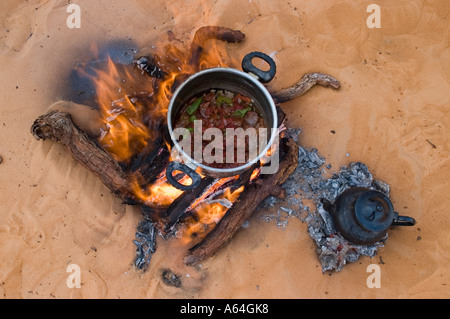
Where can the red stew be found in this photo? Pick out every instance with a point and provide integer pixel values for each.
(220, 109)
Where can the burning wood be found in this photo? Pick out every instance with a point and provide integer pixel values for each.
(181, 205)
(132, 151)
(246, 204)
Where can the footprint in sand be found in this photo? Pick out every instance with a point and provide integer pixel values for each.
(425, 136)
(76, 192)
(17, 28)
(337, 36)
(22, 23)
(20, 233)
(400, 17)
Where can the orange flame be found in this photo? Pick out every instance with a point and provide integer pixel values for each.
(122, 110)
(206, 217)
(177, 66)
(161, 193)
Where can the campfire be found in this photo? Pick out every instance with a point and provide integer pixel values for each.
(131, 152)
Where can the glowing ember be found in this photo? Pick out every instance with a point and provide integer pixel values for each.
(255, 174)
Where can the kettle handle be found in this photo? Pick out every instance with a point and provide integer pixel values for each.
(403, 220)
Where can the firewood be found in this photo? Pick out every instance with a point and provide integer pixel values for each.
(245, 205)
(181, 205)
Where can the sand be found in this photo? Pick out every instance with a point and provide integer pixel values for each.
(392, 113)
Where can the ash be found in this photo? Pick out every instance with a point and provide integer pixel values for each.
(305, 188)
(145, 243)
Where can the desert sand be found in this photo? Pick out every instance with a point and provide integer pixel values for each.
(392, 113)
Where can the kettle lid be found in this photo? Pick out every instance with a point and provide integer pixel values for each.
(374, 211)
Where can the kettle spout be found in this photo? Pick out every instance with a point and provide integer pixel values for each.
(403, 220)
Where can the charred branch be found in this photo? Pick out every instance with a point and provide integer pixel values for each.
(150, 163)
(147, 64)
(181, 205)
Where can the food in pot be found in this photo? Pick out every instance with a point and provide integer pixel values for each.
(223, 110)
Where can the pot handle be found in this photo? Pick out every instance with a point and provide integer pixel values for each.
(403, 220)
(177, 166)
(263, 76)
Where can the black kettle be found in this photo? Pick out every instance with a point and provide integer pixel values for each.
(363, 216)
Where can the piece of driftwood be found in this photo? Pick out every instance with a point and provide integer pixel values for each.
(245, 205)
(304, 85)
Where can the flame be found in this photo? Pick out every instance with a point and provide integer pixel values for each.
(119, 98)
(211, 190)
(206, 217)
(161, 193)
(178, 67)
(126, 134)
(255, 174)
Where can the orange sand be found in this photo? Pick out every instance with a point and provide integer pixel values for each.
(395, 96)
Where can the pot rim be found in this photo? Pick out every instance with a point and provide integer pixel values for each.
(189, 161)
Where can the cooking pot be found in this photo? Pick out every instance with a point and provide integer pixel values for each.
(363, 216)
(248, 83)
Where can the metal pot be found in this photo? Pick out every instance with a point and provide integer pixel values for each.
(363, 216)
(247, 83)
